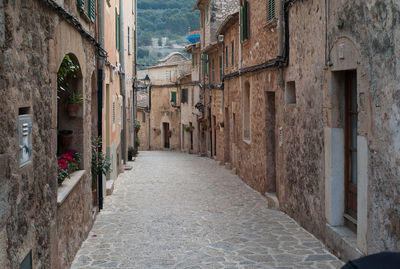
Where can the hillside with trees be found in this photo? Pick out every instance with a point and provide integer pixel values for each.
(167, 18)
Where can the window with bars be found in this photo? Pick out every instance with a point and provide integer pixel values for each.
(271, 10)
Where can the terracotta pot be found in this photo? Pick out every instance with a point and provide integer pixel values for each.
(66, 139)
(73, 110)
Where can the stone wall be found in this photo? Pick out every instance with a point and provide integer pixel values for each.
(33, 42)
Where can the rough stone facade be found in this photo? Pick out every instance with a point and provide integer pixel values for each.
(33, 42)
(291, 146)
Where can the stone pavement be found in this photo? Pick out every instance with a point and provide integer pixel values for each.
(175, 210)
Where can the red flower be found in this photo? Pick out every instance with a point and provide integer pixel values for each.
(71, 152)
(61, 161)
(67, 157)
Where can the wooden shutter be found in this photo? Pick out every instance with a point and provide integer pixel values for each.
(173, 97)
(119, 32)
(116, 28)
(92, 10)
(271, 10)
(233, 53)
(81, 4)
(244, 27)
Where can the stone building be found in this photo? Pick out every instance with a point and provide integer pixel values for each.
(310, 112)
(49, 109)
(212, 15)
(340, 123)
(165, 96)
(37, 223)
(118, 78)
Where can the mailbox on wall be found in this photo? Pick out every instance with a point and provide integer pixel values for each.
(25, 139)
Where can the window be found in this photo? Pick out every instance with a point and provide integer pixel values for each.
(213, 71)
(271, 10)
(226, 57)
(221, 65)
(129, 40)
(113, 115)
(244, 25)
(246, 112)
(205, 63)
(143, 116)
(233, 53)
(184, 96)
(290, 93)
(207, 8)
(173, 98)
(116, 29)
(88, 8)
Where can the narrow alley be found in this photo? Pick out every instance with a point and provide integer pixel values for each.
(175, 210)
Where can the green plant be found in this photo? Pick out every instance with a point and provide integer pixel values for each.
(137, 126)
(189, 128)
(100, 163)
(132, 152)
(75, 98)
(67, 67)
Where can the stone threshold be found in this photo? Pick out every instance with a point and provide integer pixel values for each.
(68, 185)
(343, 242)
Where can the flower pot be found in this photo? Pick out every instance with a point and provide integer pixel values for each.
(73, 110)
(66, 138)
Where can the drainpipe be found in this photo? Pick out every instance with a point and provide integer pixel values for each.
(100, 68)
(123, 82)
(281, 40)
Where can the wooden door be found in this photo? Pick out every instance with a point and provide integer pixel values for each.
(166, 134)
(351, 126)
(270, 128)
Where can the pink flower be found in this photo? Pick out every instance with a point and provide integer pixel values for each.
(71, 152)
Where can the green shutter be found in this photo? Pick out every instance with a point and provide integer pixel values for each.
(173, 97)
(241, 24)
(92, 10)
(271, 10)
(184, 98)
(119, 32)
(116, 28)
(245, 20)
(81, 4)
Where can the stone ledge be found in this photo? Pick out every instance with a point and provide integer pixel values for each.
(68, 185)
(343, 241)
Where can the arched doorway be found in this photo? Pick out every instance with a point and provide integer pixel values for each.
(70, 107)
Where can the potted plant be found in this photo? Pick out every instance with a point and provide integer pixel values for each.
(65, 137)
(137, 126)
(73, 102)
(132, 152)
(189, 128)
(203, 126)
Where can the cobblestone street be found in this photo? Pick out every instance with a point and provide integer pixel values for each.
(175, 210)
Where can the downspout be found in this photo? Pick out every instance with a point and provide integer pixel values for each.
(135, 80)
(281, 41)
(100, 68)
(123, 82)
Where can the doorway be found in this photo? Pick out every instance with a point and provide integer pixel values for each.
(191, 136)
(227, 136)
(214, 134)
(166, 134)
(351, 126)
(270, 128)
